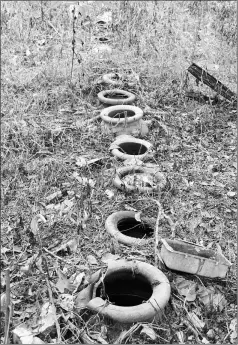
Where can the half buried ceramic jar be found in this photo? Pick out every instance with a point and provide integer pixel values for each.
(124, 227)
(132, 291)
(128, 147)
(123, 119)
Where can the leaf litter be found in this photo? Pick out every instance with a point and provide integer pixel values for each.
(188, 141)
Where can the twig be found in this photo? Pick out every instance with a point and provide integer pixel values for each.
(125, 334)
(8, 307)
(157, 237)
(193, 330)
(56, 256)
(171, 223)
(53, 304)
(52, 26)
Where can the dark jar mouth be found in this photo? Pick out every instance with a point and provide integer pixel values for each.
(134, 149)
(115, 114)
(115, 95)
(125, 288)
(131, 227)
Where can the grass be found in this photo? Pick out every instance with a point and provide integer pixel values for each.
(45, 102)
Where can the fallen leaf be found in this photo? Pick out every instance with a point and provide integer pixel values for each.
(3, 303)
(107, 257)
(109, 193)
(47, 319)
(129, 208)
(137, 216)
(78, 280)
(83, 297)
(81, 162)
(231, 194)
(181, 337)
(63, 283)
(94, 278)
(210, 334)
(233, 328)
(72, 245)
(219, 301)
(22, 335)
(194, 222)
(186, 288)
(68, 247)
(210, 298)
(147, 330)
(26, 267)
(133, 161)
(66, 301)
(84, 180)
(34, 225)
(193, 318)
(92, 260)
(53, 196)
(98, 337)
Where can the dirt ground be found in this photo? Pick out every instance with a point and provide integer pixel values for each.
(54, 207)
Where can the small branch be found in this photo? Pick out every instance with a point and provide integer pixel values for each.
(171, 223)
(157, 237)
(125, 334)
(55, 256)
(53, 304)
(8, 307)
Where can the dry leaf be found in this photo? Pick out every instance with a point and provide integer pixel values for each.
(129, 208)
(109, 193)
(231, 194)
(84, 297)
(47, 318)
(186, 288)
(81, 162)
(78, 280)
(181, 337)
(98, 337)
(94, 278)
(233, 328)
(34, 225)
(53, 196)
(3, 303)
(146, 329)
(68, 247)
(63, 283)
(137, 216)
(210, 298)
(107, 257)
(72, 245)
(23, 335)
(133, 161)
(92, 260)
(193, 318)
(194, 222)
(27, 266)
(219, 301)
(66, 301)
(84, 180)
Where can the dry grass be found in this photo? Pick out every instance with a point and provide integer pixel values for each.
(43, 133)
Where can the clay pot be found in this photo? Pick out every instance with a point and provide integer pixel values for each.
(116, 97)
(127, 147)
(134, 292)
(126, 229)
(156, 179)
(123, 119)
(112, 79)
